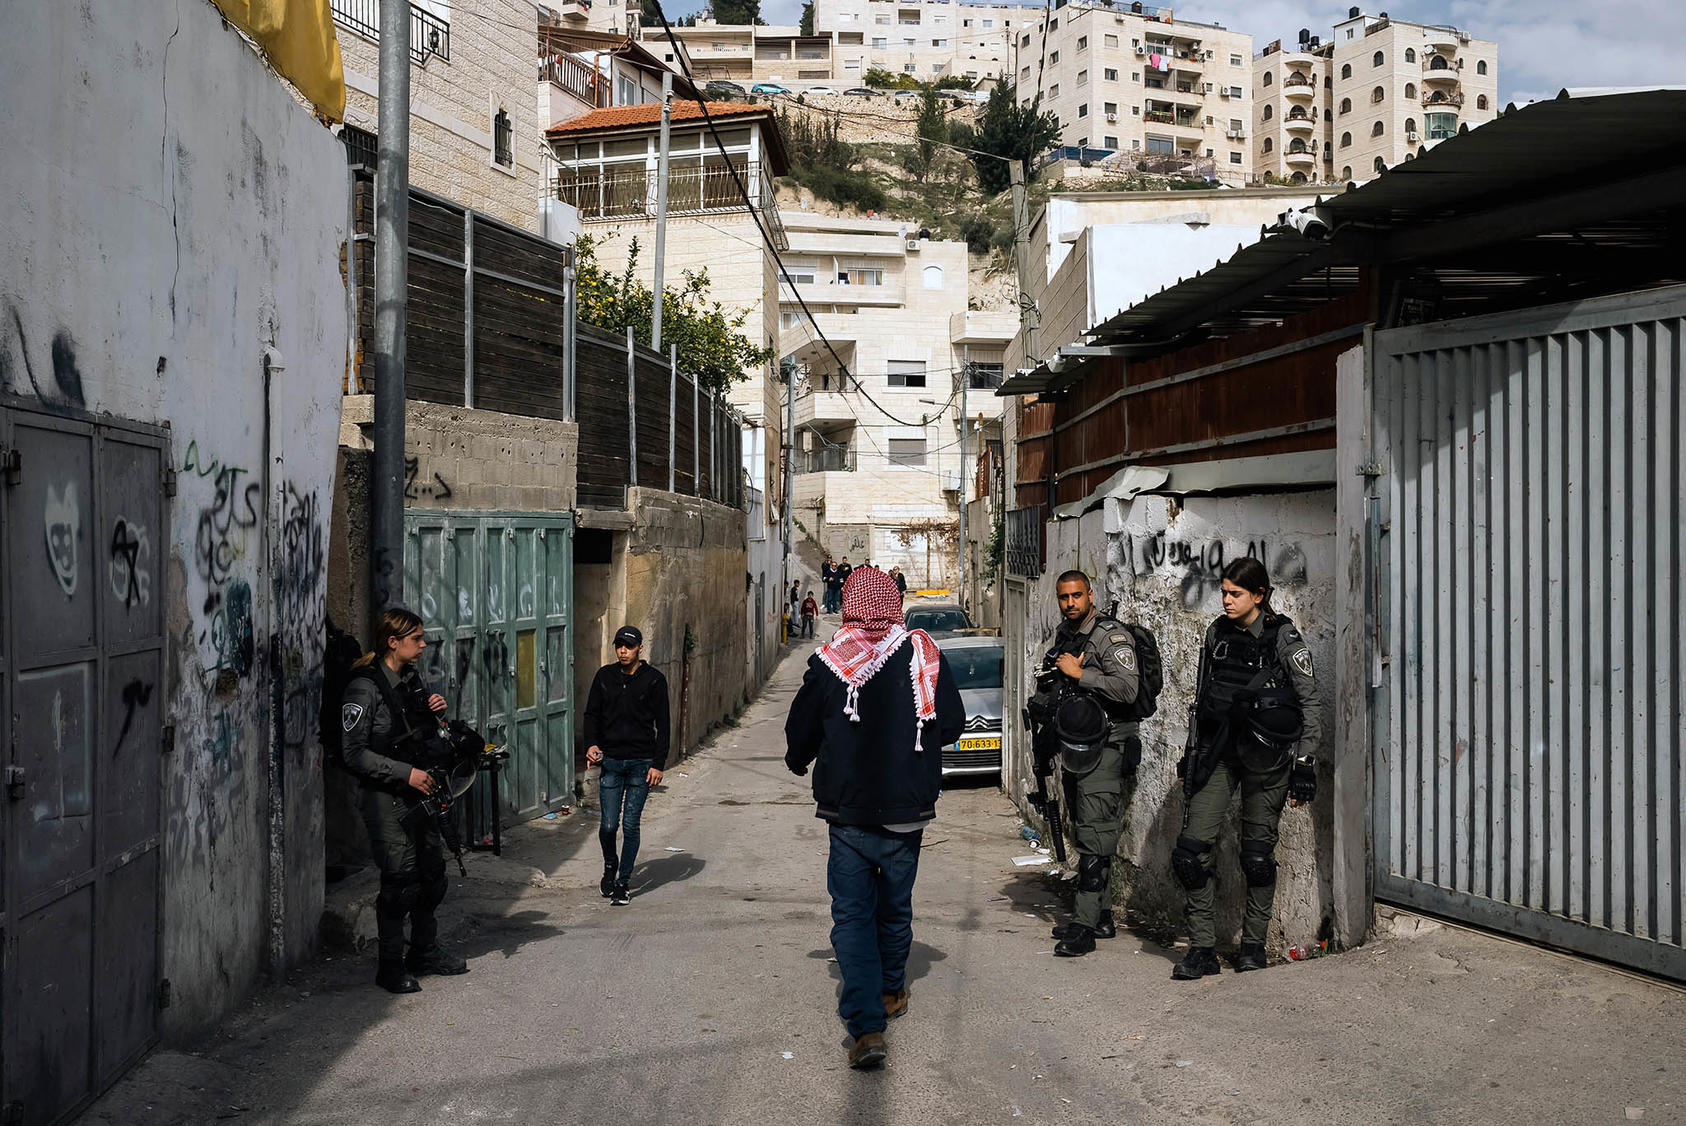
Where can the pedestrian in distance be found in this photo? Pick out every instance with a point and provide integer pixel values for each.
(810, 614)
(627, 735)
(844, 570)
(385, 713)
(877, 705)
(901, 582)
(1088, 691)
(795, 598)
(1255, 725)
(829, 586)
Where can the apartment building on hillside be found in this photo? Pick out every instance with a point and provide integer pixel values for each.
(1128, 81)
(878, 462)
(925, 39)
(1379, 92)
(746, 53)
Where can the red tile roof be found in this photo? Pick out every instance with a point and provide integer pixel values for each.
(649, 114)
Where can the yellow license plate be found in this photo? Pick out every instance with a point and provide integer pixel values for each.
(991, 743)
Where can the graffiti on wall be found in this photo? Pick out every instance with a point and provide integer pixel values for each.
(1197, 567)
(130, 568)
(63, 520)
(62, 390)
(417, 487)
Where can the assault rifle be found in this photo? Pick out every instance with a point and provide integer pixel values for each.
(450, 752)
(1051, 685)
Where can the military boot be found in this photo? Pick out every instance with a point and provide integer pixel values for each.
(1250, 957)
(1080, 941)
(434, 959)
(394, 978)
(1200, 962)
(1106, 928)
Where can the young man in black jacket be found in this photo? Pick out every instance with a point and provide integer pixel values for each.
(627, 734)
(876, 707)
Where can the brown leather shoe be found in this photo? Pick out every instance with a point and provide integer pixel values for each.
(868, 1051)
(895, 1004)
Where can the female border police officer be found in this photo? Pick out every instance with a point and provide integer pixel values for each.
(1255, 724)
(384, 705)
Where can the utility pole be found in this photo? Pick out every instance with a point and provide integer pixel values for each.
(1021, 250)
(392, 281)
(661, 209)
(789, 448)
(965, 382)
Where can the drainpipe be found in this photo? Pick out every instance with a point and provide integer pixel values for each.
(392, 280)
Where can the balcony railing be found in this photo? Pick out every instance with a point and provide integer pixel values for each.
(429, 35)
(827, 459)
(631, 194)
(577, 78)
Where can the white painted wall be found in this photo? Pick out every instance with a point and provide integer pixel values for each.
(170, 242)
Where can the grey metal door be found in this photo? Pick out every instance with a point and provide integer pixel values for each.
(83, 515)
(1530, 544)
(495, 592)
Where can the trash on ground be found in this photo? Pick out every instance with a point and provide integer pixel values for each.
(788, 1055)
(1635, 1113)
(1301, 952)
(550, 817)
(1029, 861)
(996, 899)
(1185, 1063)
(670, 848)
(1029, 834)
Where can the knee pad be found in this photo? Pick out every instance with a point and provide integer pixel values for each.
(1258, 863)
(1185, 862)
(1092, 872)
(399, 894)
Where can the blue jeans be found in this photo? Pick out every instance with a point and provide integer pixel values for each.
(870, 877)
(623, 780)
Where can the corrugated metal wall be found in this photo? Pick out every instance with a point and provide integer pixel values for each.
(1529, 718)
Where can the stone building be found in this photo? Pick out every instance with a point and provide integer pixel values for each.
(1379, 92)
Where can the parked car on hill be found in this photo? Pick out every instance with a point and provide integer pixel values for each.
(768, 88)
(862, 92)
(720, 88)
(820, 91)
(976, 663)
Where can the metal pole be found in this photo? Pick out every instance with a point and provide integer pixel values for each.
(1021, 248)
(392, 280)
(672, 415)
(965, 381)
(788, 447)
(631, 406)
(569, 337)
(468, 308)
(661, 210)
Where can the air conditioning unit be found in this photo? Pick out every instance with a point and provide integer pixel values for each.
(1413, 135)
(951, 482)
(1112, 117)
(1428, 51)
(1140, 50)
(913, 244)
(1237, 134)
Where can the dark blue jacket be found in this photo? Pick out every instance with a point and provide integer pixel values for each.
(868, 773)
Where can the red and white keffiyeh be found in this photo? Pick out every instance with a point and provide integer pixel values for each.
(872, 632)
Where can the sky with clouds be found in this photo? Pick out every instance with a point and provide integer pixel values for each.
(1544, 45)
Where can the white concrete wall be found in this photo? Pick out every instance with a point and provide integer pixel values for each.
(1159, 560)
(171, 214)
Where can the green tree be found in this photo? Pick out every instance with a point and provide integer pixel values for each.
(1010, 131)
(932, 130)
(807, 24)
(736, 11)
(711, 347)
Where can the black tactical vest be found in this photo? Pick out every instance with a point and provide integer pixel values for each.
(407, 705)
(1236, 659)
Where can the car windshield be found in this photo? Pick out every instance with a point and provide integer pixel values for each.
(935, 620)
(975, 666)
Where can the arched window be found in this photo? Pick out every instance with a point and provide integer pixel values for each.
(1327, 116)
(1346, 71)
(1410, 125)
(1376, 129)
(1298, 178)
(1296, 145)
(1346, 140)
(1269, 113)
(1376, 59)
(1411, 91)
(1439, 63)
(1268, 78)
(1378, 94)
(1328, 82)
(1346, 172)
(1481, 101)
(933, 277)
(1481, 67)
(1381, 165)
(1346, 105)
(1269, 144)
(1410, 55)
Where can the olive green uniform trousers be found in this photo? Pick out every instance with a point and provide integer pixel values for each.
(1095, 805)
(1262, 797)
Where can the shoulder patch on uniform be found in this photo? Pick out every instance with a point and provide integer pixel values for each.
(1291, 633)
(1116, 638)
(1302, 661)
(1126, 656)
(350, 714)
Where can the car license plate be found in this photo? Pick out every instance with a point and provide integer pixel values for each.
(990, 743)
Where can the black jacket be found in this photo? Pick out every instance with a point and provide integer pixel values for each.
(868, 773)
(626, 715)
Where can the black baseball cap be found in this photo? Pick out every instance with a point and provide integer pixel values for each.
(629, 636)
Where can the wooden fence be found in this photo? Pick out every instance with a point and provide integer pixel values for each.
(490, 328)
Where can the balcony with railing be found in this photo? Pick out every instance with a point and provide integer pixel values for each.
(608, 194)
(577, 79)
(429, 34)
(1299, 88)
(826, 459)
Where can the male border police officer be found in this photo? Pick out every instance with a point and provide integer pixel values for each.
(1099, 655)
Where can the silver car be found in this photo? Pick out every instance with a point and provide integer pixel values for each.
(976, 663)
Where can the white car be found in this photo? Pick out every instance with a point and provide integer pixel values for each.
(820, 90)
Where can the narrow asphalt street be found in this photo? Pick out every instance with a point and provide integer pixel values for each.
(710, 1000)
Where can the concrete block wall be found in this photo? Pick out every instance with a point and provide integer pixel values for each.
(1160, 559)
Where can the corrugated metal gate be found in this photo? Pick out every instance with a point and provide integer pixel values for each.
(1529, 541)
(82, 674)
(495, 592)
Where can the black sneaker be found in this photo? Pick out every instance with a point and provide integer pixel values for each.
(1199, 963)
(607, 884)
(1106, 928)
(435, 960)
(1079, 942)
(1250, 957)
(621, 896)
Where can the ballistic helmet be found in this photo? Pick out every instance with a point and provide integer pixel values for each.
(1081, 725)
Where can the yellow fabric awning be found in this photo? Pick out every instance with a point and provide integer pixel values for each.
(298, 36)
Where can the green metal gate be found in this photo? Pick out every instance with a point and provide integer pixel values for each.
(495, 592)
